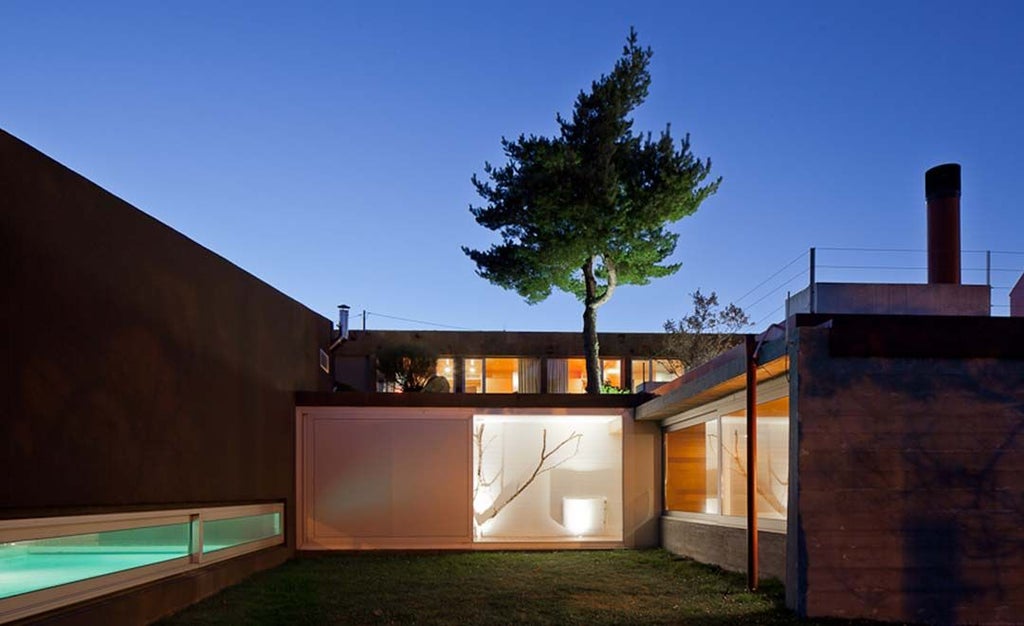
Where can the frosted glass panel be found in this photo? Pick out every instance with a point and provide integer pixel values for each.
(547, 478)
(37, 564)
(234, 531)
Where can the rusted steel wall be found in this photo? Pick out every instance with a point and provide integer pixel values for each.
(141, 370)
(907, 478)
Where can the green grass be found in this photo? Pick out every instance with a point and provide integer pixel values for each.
(584, 587)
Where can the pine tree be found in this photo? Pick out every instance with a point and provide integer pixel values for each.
(586, 210)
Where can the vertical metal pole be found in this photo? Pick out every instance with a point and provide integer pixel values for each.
(364, 319)
(752, 573)
(813, 290)
(988, 267)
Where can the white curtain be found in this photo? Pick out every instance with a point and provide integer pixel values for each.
(529, 375)
(558, 375)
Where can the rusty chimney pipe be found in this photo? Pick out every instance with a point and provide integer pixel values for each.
(942, 190)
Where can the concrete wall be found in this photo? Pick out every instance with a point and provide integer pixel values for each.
(1017, 298)
(893, 299)
(907, 471)
(141, 370)
(724, 546)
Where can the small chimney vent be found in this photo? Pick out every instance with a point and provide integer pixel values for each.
(343, 322)
(942, 191)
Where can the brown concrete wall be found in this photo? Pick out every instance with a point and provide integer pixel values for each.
(907, 480)
(724, 546)
(141, 370)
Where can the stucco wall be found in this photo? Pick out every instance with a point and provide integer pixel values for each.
(907, 479)
(724, 546)
(141, 370)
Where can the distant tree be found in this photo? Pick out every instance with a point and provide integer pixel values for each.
(586, 210)
(707, 331)
(409, 366)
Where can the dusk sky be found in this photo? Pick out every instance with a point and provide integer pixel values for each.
(327, 148)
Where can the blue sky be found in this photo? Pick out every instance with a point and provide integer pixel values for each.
(327, 147)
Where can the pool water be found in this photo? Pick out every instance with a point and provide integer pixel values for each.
(31, 571)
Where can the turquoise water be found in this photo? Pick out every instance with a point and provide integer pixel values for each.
(33, 571)
(37, 564)
(234, 531)
(27, 566)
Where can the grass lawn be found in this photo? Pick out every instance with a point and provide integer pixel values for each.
(583, 587)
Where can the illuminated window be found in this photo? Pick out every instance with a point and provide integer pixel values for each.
(691, 468)
(706, 464)
(611, 372)
(474, 373)
(570, 375)
(502, 375)
(653, 370)
(576, 494)
(445, 368)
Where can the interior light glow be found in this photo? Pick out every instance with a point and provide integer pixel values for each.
(583, 516)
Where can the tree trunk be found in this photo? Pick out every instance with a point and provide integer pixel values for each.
(591, 348)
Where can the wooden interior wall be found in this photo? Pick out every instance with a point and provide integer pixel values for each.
(686, 469)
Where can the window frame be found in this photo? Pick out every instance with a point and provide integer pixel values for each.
(767, 391)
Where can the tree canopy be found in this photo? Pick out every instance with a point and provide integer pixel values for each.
(587, 210)
(707, 331)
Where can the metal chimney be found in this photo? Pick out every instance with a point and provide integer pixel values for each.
(942, 190)
(343, 322)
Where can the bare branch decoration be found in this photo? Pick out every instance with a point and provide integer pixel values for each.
(541, 467)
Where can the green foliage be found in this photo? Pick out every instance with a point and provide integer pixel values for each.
(587, 210)
(409, 366)
(608, 388)
(707, 331)
(596, 192)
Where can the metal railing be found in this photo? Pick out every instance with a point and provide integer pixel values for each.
(765, 302)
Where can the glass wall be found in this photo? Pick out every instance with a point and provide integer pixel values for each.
(92, 555)
(235, 531)
(691, 465)
(547, 478)
(706, 464)
(647, 370)
(570, 375)
(502, 375)
(40, 563)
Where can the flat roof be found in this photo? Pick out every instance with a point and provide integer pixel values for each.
(719, 377)
(471, 400)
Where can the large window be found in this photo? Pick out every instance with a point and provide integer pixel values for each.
(706, 462)
(502, 375)
(547, 478)
(691, 462)
(570, 375)
(651, 370)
